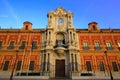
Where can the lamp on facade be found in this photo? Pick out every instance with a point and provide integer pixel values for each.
(111, 77)
(11, 76)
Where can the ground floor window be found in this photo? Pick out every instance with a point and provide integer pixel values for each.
(6, 65)
(114, 65)
(31, 66)
(19, 65)
(101, 64)
(88, 66)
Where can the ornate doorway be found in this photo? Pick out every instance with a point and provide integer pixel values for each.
(60, 68)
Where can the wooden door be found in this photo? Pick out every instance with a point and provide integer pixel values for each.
(60, 68)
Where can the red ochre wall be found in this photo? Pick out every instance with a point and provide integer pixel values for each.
(25, 55)
(94, 56)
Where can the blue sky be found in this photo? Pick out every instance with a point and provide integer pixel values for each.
(14, 12)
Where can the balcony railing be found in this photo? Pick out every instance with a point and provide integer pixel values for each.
(97, 48)
(22, 47)
(10, 47)
(86, 48)
(34, 47)
(62, 45)
(109, 48)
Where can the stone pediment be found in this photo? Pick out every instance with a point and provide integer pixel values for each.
(60, 11)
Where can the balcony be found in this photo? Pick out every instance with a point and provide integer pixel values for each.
(86, 48)
(22, 47)
(10, 47)
(34, 47)
(109, 48)
(60, 48)
(97, 48)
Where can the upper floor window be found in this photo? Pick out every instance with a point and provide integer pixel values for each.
(60, 21)
(85, 45)
(60, 42)
(97, 45)
(0, 44)
(118, 44)
(11, 45)
(23, 45)
(109, 46)
(34, 45)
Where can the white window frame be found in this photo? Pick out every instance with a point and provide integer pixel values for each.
(118, 44)
(85, 44)
(96, 44)
(108, 44)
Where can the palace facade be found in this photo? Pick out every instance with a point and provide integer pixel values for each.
(60, 50)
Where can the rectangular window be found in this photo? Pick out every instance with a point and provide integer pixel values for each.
(31, 66)
(19, 65)
(6, 65)
(101, 64)
(11, 45)
(85, 46)
(109, 46)
(34, 45)
(0, 44)
(97, 46)
(60, 42)
(114, 65)
(23, 45)
(88, 65)
(118, 44)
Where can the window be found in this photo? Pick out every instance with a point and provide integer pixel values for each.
(94, 28)
(11, 46)
(23, 45)
(85, 46)
(114, 65)
(0, 44)
(60, 21)
(88, 66)
(6, 65)
(109, 46)
(118, 44)
(26, 27)
(34, 45)
(60, 42)
(19, 65)
(31, 66)
(101, 64)
(97, 46)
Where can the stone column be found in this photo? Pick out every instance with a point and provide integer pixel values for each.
(46, 62)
